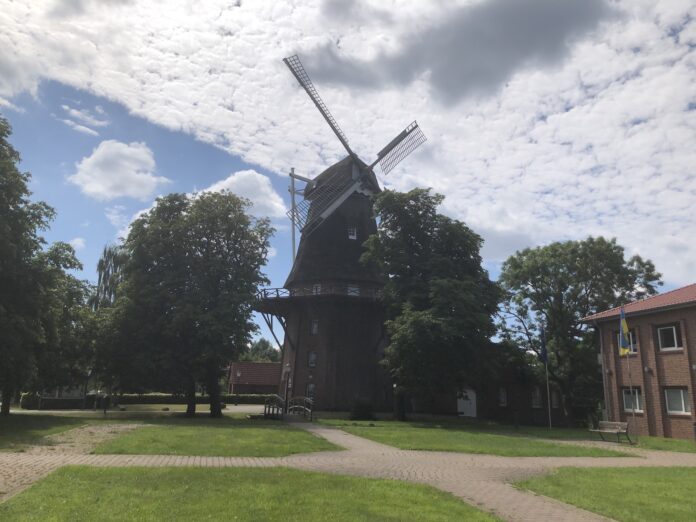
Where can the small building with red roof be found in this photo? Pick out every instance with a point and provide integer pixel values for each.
(653, 388)
(253, 377)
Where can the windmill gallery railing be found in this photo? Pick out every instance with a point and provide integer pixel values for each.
(320, 290)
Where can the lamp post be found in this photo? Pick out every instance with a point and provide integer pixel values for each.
(236, 388)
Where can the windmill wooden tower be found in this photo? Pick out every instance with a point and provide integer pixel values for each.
(329, 306)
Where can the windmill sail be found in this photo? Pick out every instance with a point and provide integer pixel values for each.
(295, 66)
(404, 144)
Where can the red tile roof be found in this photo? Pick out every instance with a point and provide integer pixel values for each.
(260, 373)
(679, 297)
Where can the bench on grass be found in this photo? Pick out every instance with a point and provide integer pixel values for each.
(613, 428)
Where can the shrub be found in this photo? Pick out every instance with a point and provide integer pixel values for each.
(168, 398)
(51, 403)
(30, 401)
(362, 410)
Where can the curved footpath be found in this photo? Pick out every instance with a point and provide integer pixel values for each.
(481, 480)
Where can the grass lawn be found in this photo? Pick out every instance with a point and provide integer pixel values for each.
(225, 437)
(625, 494)
(464, 437)
(18, 430)
(110, 494)
(664, 444)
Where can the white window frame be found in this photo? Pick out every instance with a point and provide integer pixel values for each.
(314, 329)
(316, 289)
(353, 290)
(632, 345)
(674, 333)
(685, 401)
(502, 397)
(637, 393)
(353, 233)
(536, 398)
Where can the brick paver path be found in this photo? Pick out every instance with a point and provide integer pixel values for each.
(482, 480)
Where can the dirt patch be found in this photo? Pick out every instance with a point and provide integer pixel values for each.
(80, 441)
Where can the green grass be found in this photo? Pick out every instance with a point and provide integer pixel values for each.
(226, 437)
(242, 494)
(624, 494)
(664, 444)
(18, 431)
(466, 437)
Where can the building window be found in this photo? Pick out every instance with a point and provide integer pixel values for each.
(315, 327)
(353, 290)
(536, 397)
(677, 400)
(311, 390)
(312, 359)
(669, 337)
(634, 403)
(632, 345)
(555, 399)
(316, 289)
(352, 233)
(502, 397)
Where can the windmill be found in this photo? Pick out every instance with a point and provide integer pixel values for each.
(321, 202)
(329, 308)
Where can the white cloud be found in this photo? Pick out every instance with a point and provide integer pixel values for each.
(77, 243)
(80, 128)
(255, 187)
(598, 142)
(116, 170)
(117, 216)
(85, 116)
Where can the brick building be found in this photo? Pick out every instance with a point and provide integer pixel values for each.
(253, 377)
(662, 363)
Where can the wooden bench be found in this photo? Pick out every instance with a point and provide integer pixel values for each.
(614, 428)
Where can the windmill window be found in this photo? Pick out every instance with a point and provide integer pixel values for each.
(315, 327)
(678, 401)
(312, 359)
(352, 233)
(311, 390)
(536, 397)
(316, 289)
(353, 290)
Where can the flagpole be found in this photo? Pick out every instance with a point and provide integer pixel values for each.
(548, 392)
(634, 401)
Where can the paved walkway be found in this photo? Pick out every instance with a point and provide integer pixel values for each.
(482, 480)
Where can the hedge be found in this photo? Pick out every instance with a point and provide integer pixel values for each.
(167, 398)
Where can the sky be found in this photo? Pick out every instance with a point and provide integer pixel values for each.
(547, 120)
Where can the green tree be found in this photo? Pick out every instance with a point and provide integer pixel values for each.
(261, 350)
(557, 286)
(193, 270)
(439, 299)
(109, 274)
(20, 271)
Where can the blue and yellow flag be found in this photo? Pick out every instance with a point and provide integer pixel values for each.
(624, 344)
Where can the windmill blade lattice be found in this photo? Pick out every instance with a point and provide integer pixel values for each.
(309, 213)
(404, 144)
(295, 66)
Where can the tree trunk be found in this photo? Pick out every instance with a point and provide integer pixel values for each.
(191, 398)
(213, 386)
(6, 399)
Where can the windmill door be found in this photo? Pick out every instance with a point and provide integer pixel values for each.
(466, 403)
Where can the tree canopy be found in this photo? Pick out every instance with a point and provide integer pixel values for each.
(438, 297)
(187, 287)
(261, 350)
(556, 286)
(41, 305)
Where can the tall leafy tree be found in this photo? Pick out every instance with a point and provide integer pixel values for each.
(21, 220)
(193, 270)
(557, 286)
(261, 350)
(438, 297)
